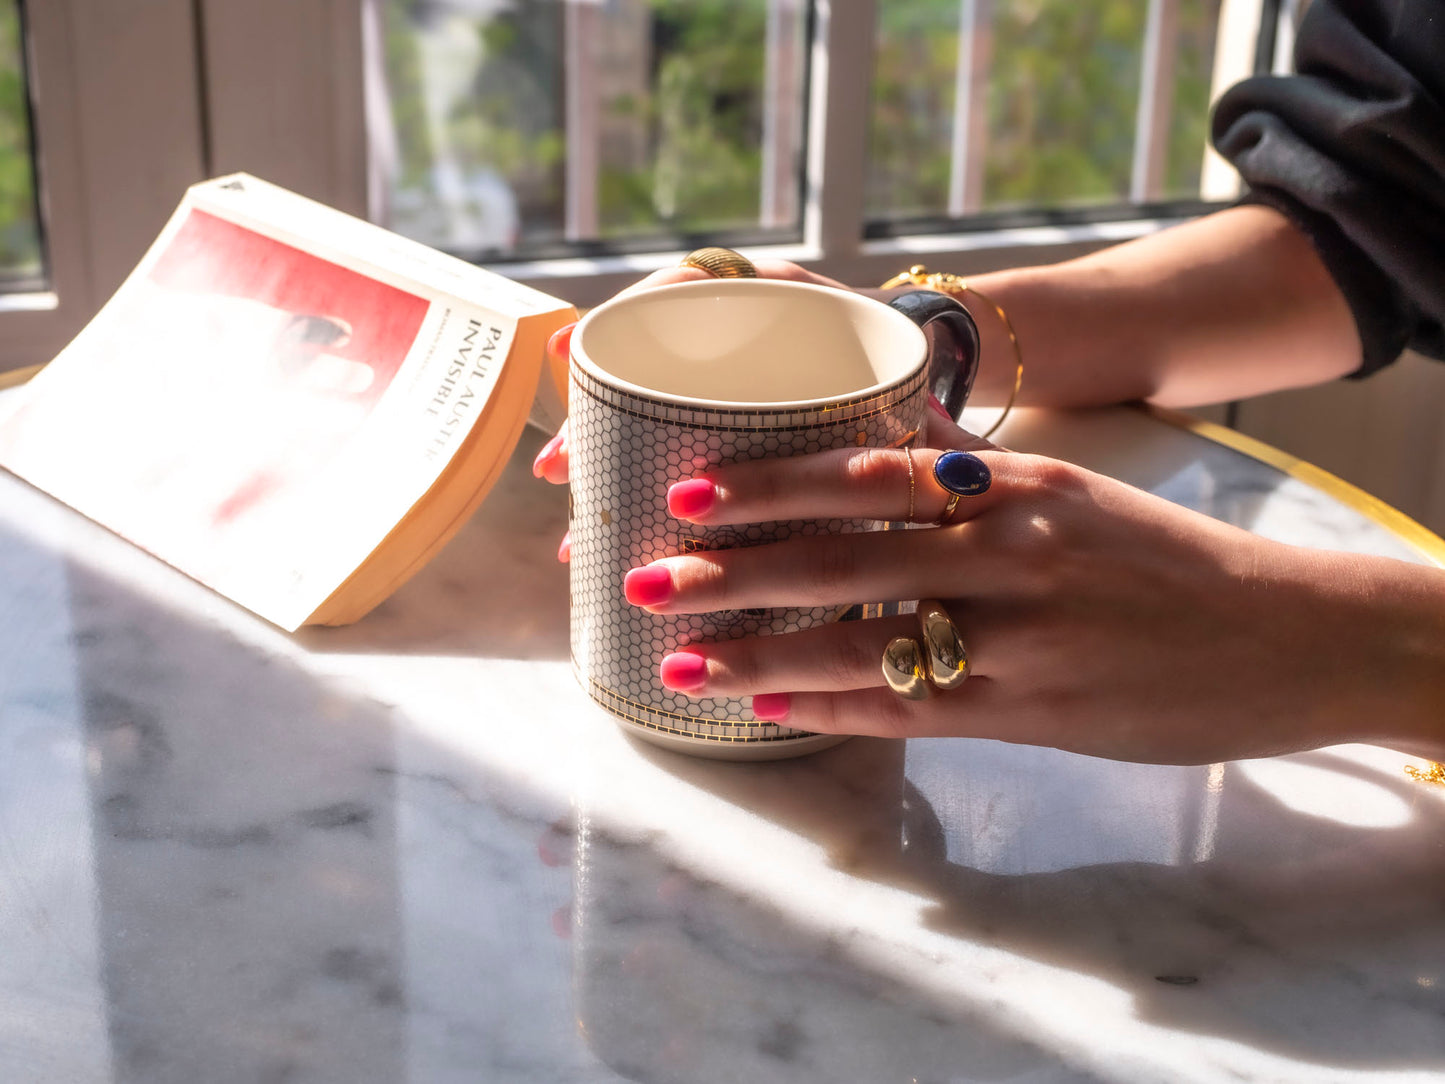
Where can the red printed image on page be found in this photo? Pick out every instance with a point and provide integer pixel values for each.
(321, 342)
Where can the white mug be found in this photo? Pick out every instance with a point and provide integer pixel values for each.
(670, 382)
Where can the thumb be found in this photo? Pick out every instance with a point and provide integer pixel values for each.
(943, 432)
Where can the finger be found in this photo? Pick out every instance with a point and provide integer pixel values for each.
(553, 462)
(824, 571)
(845, 655)
(849, 483)
(559, 346)
(829, 658)
(973, 710)
(943, 432)
(783, 269)
(666, 276)
(767, 268)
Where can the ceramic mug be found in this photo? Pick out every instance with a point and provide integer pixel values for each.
(670, 382)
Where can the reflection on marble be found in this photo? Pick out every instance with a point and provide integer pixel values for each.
(412, 850)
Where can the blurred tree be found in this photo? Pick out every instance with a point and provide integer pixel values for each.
(1189, 135)
(19, 231)
(1063, 97)
(681, 89)
(705, 119)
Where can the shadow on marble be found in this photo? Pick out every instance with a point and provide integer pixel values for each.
(275, 885)
(496, 591)
(680, 979)
(1294, 935)
(1155, 457)
(244, 855)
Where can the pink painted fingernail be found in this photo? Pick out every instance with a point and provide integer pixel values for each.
(772, 707)
(683, 671)
(546, 455)
(648, 586)
(564, 551)
(939, 408)
(690, 499)
(560, 344)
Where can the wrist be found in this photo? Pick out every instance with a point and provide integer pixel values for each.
(1075, 333)
(1393, 620)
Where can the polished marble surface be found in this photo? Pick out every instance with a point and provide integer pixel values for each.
(412, 850)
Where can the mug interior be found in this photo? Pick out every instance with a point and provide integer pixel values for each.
(748, 342)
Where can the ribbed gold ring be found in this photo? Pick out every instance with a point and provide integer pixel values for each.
(944, 655)
(721, 263)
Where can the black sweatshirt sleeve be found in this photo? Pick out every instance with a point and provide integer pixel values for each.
(1352, 149)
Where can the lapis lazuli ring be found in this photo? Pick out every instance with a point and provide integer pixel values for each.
(960, 474)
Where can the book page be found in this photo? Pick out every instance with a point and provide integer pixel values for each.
(256, 414)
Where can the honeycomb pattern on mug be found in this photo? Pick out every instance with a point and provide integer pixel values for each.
(636, 448)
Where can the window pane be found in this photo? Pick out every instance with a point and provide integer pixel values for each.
(522, 127)
(20, 264)
(986, 106)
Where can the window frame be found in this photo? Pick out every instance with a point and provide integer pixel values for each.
(131, 103)
(117, 135)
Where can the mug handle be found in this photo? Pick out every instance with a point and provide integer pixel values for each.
(952, 344)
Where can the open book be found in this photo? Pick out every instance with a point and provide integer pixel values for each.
(291, 405)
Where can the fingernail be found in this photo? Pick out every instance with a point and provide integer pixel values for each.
(560, 344)
(939, 408)
(690, 499)
(564, 551)
(963, 473)
(771, 707)
(546, 455)
(649, 586)
(683, 671)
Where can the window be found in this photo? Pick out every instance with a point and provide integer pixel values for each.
(1018, 111)
(20, 254)
(986, 130)
(548, 128)
(99, 133)
(577, 144)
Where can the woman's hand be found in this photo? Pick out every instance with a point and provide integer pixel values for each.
(1097, 618)
(552, 461)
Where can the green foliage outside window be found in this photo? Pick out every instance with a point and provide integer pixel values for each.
(1063, 95)
(681, 146)
(19, 237)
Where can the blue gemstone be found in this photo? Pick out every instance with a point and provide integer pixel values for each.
(963, 473)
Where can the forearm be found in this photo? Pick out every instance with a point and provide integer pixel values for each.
(1230, 305)
(1394, 617)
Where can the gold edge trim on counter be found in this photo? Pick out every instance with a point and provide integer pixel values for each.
(1417, 536)
(15, 377)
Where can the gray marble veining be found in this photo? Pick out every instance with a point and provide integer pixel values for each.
(412, 850)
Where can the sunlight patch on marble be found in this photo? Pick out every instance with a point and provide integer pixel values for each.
(1328, 794)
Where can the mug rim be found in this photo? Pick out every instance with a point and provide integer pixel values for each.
(578, 356)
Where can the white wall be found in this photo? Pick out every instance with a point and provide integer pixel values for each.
(1386, 434)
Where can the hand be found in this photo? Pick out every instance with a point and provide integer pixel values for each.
(1098, 618)
(552, 461)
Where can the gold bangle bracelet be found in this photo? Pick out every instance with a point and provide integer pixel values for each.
(956, 286)
(1435, 773)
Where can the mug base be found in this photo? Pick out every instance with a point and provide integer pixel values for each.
(781, 749)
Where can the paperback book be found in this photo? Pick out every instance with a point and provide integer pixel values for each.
(289, 404)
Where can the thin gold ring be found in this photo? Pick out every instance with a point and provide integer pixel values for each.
(944, 654)
(948, 510)
(722, 263)
(912, 483)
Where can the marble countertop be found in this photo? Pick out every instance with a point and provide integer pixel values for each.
(413, 850)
